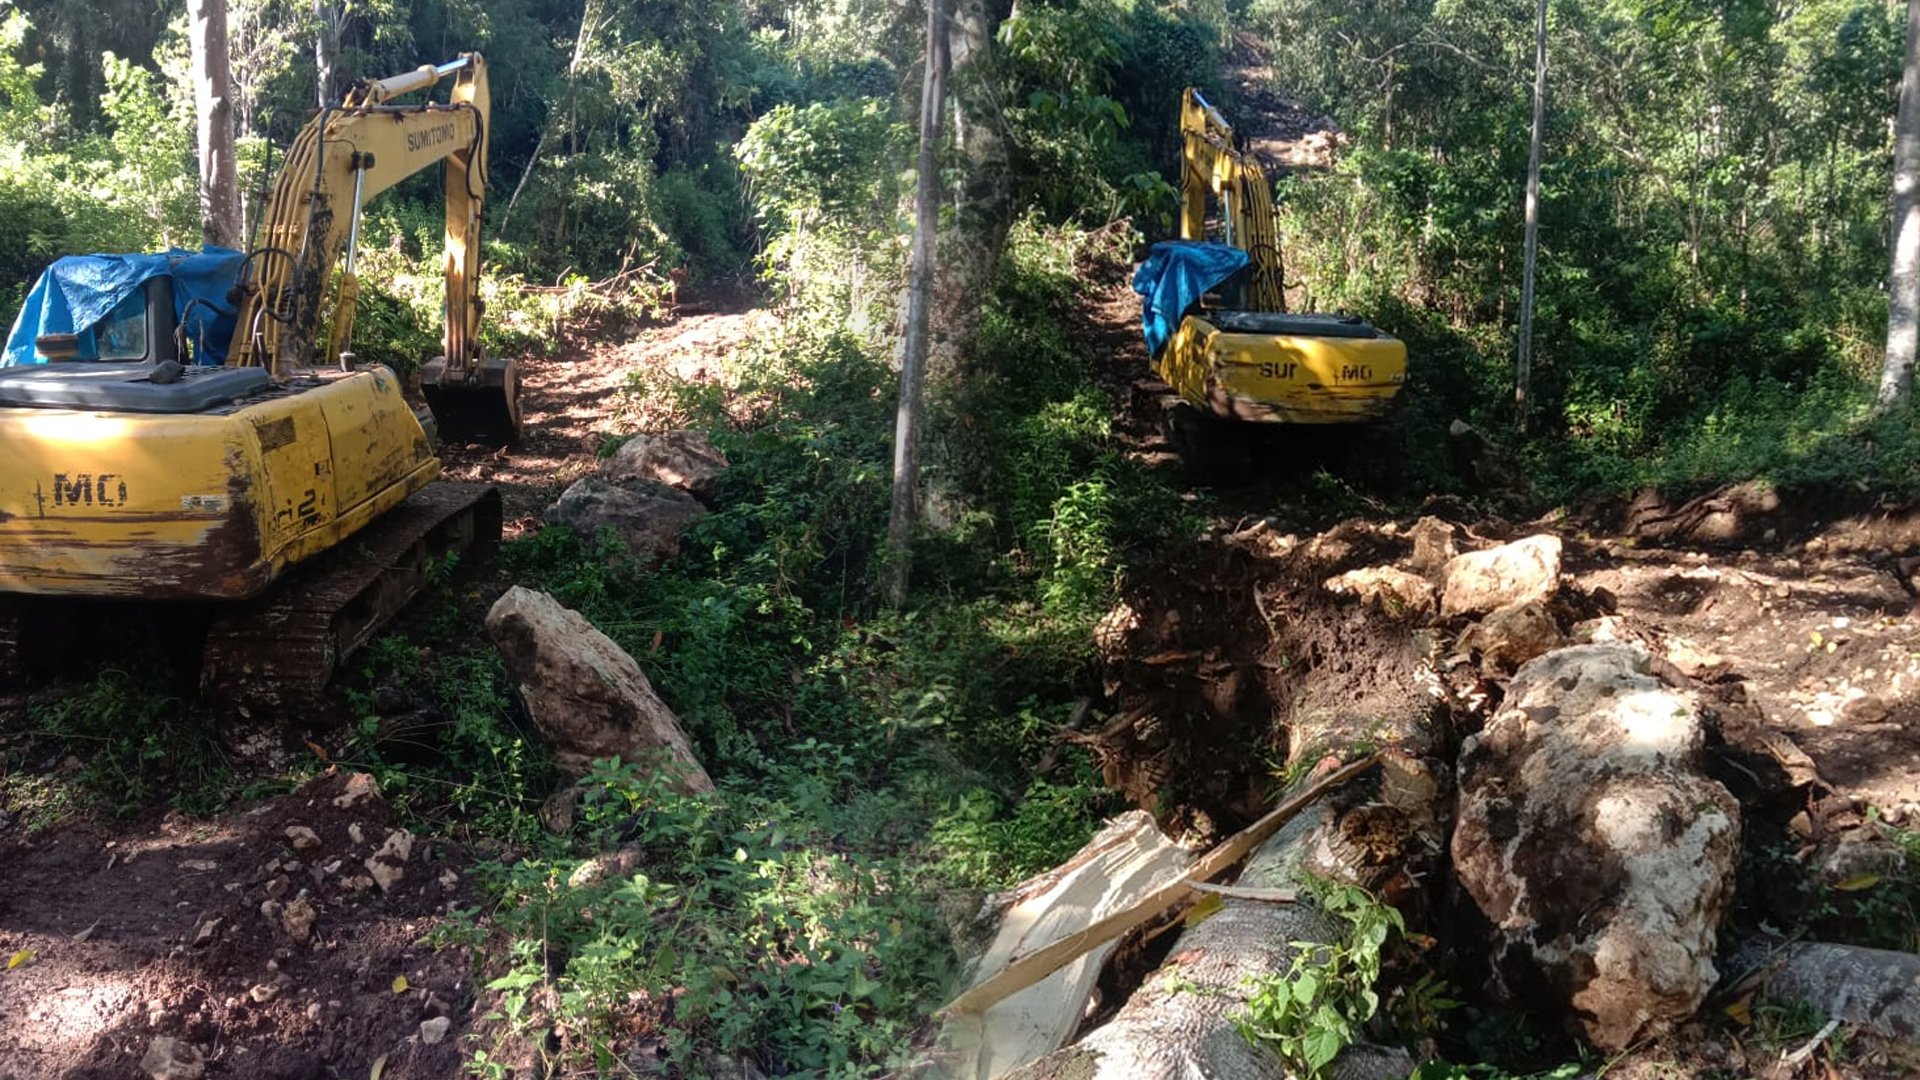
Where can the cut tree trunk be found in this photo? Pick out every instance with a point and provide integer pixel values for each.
(1254, 647)
(1179, 1025)
(1129, 859)
(1877, 989)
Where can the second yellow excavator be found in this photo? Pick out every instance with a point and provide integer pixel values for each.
(1215, 312)
(148, 452)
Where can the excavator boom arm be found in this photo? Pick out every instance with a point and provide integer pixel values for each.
(1213, 167)
(345, 156)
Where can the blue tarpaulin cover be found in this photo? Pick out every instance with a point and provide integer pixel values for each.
(1175, 276)
(77, 291)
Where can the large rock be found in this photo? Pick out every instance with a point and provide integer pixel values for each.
(1395, 590)
(683, 459)
(1592, 842)
(1480, 581)
(649, 517)
(1513, 634)
(585, 694)
(173, 1059)
(1434, 543)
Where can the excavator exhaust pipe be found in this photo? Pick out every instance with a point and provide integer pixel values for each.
(481, 405)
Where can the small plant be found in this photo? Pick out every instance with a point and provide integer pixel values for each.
(731, 925)
(1318, 1007)
(135, 741)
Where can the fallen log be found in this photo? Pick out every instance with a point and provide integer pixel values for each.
(1180, 1023)
(1024, 969)
(1342, 680)
(1129, 857)
(1877, 989)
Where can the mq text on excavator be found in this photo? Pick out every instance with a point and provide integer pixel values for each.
(195, 429)
(1215, 313)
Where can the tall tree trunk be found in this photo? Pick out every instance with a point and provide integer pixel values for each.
(1903, 277)
(213, 112)
(328, 19)
(913, 366)
(1523, 369)
(971, 247)
(589, 27)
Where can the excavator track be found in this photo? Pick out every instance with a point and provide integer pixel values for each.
(266, 663)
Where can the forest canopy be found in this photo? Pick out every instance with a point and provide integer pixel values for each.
(1714, 185)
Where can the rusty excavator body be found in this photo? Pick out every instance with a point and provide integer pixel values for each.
(148, 453)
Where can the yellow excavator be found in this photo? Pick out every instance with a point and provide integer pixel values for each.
(294, 491)
(1215, 312)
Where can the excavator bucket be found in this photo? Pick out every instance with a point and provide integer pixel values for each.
(480, 405)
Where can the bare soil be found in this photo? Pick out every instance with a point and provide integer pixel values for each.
(125, 932)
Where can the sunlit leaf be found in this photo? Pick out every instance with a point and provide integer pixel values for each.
(1203, 909)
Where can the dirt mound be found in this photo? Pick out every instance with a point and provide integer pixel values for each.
(1836, 519)
(193, 930)
(1227, 649)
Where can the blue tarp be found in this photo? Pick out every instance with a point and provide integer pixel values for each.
(1175, 276)
(78, 291)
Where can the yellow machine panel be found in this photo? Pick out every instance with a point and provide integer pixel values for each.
(193, 464)
(205, 505)
(1293, 373)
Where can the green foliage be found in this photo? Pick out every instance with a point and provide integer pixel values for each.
(1030, 432)
(1877, 909)
(459, 751)
(135, 742)
(740, 931)
(826, 184)
(1713, 192)
(698, 211)
(986, 843)
(1318, 1007)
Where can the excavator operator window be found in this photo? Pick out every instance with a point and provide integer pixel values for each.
(122, 335)
(1229, 295)
(139, 328)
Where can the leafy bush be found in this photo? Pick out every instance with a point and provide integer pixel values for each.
(826, 184)
(133, 737)
(1318, 1008)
